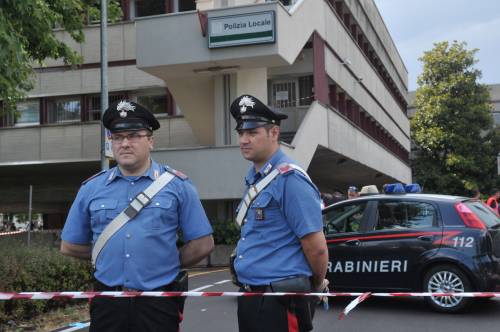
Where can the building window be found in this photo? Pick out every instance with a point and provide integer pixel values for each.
(186, 5)
(28, 113)
(149, 7)
(63, 110)
(157, 104)
(95, 105)
(292, 93)
(284, 94)
(306, 91)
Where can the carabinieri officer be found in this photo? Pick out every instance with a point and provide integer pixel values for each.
(282, 246)
(142, 254)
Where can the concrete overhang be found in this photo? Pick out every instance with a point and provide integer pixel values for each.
(172, 45)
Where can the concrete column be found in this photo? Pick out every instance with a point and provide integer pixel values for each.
(319, 72)
(224, 124)
(253, 82)
(206, 4)
(219, 125)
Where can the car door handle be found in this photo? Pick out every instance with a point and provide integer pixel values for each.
(427, 238)
(353, 242)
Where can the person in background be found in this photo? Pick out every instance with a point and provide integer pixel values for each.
(352, 192)
(492, 201)
(327, 199)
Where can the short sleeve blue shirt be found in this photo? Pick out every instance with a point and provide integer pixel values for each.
(143, 253)
(285, 211)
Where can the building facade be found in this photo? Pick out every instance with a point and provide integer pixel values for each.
(331, 65)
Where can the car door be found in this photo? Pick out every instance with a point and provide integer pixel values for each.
(344, 223)
(402, 235)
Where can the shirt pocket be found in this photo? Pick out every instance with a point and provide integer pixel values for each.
(264, 210)
(160, 212)
(103, 211)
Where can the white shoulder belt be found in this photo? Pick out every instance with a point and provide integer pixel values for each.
(254, 190)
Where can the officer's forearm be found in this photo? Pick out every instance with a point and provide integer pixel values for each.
(316, 252)
(195, 250)
(76, 250)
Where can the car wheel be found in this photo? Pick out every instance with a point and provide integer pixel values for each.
(446, 279)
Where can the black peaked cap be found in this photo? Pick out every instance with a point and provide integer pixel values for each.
(249, 112)
(126, 115)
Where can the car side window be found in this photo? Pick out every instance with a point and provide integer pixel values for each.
(344, 219)
(404, 215)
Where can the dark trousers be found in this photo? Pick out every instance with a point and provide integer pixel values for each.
(274, 314)
(135, 314)
(148, 314)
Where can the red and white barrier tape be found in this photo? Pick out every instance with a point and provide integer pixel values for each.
(353, 304)
(12, 233)
(360, 297)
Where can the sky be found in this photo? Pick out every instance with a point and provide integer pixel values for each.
(416, 25)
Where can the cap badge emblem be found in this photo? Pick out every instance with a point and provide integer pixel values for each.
(123, 107)
(245, 102)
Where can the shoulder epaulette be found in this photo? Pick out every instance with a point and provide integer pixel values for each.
(93, 176)
(287, 168)
(177, 173)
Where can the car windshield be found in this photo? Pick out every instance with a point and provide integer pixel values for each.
(487, 216)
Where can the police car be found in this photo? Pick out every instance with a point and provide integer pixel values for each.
(398, 242)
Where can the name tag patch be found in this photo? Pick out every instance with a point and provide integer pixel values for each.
(259, 214)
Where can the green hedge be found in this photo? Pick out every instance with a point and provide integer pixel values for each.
(225, 232)
(37, 269)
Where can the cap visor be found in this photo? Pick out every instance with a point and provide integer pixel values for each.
(128, 126)
(245, 125)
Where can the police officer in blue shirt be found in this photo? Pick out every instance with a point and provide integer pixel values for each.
(142, 254)
(282, 245)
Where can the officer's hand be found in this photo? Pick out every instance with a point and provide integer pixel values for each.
(323, 288)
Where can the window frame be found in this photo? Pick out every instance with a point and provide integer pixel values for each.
(374, 222)
(134, 96)
(26, 124)
(78, 98)
(365, 220)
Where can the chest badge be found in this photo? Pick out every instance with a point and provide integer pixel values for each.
(259, 214)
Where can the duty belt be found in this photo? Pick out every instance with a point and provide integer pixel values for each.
(258, 289)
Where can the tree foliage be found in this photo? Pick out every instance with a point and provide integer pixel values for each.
(27, 36)
(453, 126)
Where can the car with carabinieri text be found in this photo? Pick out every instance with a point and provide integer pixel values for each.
(402, 242)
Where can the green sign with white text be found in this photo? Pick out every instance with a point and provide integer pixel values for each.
(244, 29)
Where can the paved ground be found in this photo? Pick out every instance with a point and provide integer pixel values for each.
(215, 314)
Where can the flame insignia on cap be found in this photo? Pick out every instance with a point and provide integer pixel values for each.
(123, 107)
(245, 102)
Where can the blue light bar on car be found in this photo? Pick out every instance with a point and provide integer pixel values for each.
(399, 188)
(413, 188)
(394, 188)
